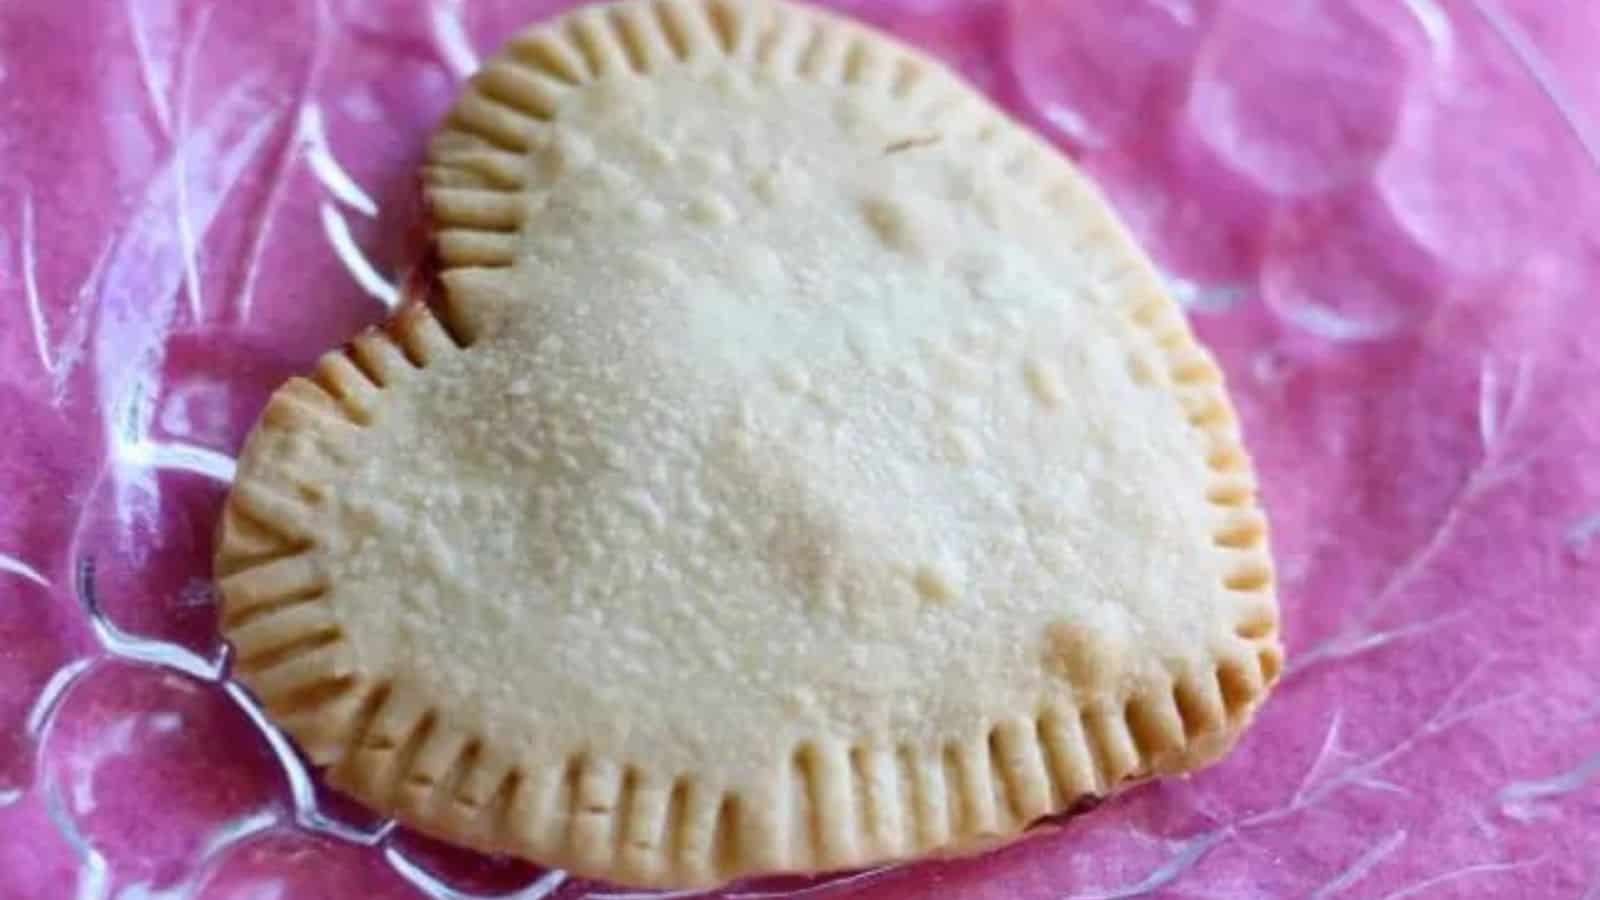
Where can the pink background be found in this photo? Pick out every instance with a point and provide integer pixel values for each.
(1382, 213)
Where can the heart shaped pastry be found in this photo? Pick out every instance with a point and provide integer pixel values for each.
(803, 470)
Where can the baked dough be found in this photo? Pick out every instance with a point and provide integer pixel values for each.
(804, 470)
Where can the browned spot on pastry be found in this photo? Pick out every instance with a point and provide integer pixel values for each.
(894, 224)
(1045, 382)
(911, 143)
(1077, 654)
(712, 210)
(935, 583)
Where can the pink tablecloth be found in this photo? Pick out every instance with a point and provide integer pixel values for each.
(1385, 215)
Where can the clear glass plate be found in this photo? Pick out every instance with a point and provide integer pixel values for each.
(1382, 214)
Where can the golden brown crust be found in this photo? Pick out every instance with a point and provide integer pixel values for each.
(385, 742)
